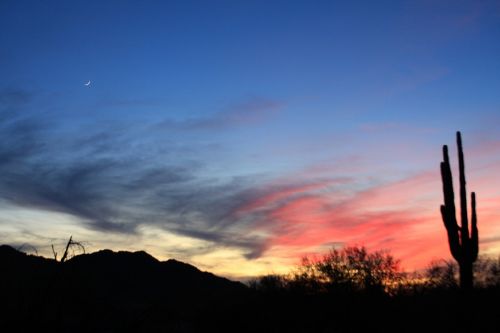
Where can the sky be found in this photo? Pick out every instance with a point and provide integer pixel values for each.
(240, 136)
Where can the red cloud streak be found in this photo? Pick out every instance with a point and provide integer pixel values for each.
(401, 216)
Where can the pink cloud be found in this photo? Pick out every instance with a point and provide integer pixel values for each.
(289, 191)
(402, 216)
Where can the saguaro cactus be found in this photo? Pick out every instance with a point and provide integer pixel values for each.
(463, 247)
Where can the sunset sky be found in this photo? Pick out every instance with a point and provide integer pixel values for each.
(239, 136)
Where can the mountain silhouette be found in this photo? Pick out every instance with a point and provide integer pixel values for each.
(106, 290)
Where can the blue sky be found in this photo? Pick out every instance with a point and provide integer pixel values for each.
(198, 108)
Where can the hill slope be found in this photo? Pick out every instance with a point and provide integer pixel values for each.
(105, 291)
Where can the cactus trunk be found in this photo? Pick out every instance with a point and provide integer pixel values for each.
(463, 246)
(466, 276)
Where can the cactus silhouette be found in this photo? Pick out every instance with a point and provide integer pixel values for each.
(463, 247)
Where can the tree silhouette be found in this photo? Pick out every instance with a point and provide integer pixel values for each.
(347, 270)
(463, 247)
(69, 245)
(354, 268)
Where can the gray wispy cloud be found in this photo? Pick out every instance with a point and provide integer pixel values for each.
(112, 184)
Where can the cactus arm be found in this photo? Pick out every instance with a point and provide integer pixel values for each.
(464, 231)
(474, 237)
(448, 209)
(449, 197)
(452, 231)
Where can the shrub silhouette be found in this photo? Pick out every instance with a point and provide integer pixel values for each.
(487, 272)
(270, 283)
(441, 275)
(354, 269)
(348, 270)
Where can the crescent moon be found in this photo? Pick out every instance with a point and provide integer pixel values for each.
(87, 84)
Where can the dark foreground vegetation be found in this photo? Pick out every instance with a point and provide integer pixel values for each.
(348, 290)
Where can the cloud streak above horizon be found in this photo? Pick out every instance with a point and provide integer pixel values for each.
(110, 183)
